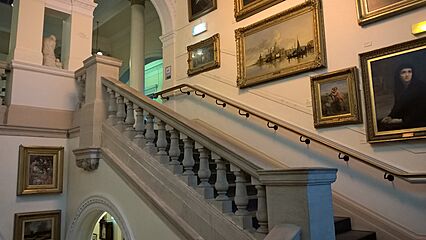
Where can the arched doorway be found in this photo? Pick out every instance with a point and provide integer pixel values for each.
(88, 216)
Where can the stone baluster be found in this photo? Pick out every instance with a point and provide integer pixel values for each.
(222, 200)
(129, 131)
(188, 160)
(262, 212)
(121, 113)
(242, 216)
(139, 138)
(81, 83)
(162, 142)
(174, 153)
(112, 107)
(150, 134)
(204, 172)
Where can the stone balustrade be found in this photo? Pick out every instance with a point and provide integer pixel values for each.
(257, 195)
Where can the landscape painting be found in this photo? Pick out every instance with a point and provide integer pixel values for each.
(37, 225)
(285, 44)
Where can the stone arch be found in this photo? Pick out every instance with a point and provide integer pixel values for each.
(89, 212)
(165, 10)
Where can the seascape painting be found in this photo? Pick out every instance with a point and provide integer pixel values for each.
(285, 44)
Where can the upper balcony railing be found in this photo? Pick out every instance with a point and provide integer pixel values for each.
(343, 152)
(3, 70)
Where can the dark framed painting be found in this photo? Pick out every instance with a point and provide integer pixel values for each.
(285, 44)
(38, 225)
(204, 56)
(246, 8)
(106, 230)
(335, 98)
(394, 81)
(374, 10)
(40, 170)
(198, 8)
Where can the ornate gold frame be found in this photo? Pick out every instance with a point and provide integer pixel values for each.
(398, 54)
(317, 45)
(366, 16)
(241, 11)
(212, 64)
(25, 153)
(350, 77)
(22, 218)
(192, 17)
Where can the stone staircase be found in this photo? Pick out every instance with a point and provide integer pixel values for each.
(207, 184)
(343, 229)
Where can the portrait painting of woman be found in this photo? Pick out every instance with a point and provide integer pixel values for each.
(394, 80)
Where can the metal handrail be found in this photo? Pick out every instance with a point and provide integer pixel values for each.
(344, 152)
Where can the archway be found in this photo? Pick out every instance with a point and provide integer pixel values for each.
(88, 215)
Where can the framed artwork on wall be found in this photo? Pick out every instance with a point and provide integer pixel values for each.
(198, 8)
(246, 8)
(374, 10)
(285, 44)
(40, 170)
(38, 225)
(204, 55)
(394, 81)
(335, 98)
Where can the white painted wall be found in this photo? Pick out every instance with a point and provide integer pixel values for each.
(289, 99)
(9, 202)
(142, 220)
(44, 87)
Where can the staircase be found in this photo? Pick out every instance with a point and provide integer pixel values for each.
(207, 184)
(343, 229)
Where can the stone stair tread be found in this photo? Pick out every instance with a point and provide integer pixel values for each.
(356, 235)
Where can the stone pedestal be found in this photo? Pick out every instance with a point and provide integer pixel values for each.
(301, 197)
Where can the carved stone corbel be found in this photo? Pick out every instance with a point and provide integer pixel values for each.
(87, 158)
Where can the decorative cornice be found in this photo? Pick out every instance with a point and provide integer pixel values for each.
(41, 69)
(87, 158)
(85, 7)
(168, 39)
(137, 2)
(9, 130)
(102, 59)
(298, 176)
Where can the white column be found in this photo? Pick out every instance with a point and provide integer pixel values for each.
(137, 45)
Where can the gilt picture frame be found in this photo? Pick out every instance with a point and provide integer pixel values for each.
(335, 98)
(199, 8)
(204, 55)
(394, 82)
(38, 225)
(374, 10)
(282, 45)
(40, 170)
(247, 8)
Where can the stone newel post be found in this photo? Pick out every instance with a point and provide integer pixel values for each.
(94, 110)
(301, 197)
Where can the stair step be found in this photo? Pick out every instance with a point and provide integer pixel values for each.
(356, 235)
(342, 224)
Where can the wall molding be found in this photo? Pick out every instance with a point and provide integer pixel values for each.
(10, 130)
(41, 69)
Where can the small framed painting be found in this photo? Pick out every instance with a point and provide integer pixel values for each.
(335, 98)
(394, 81)
(198, 8)
(204, 55)
(38, 225)
(374, 10)
(40, 170)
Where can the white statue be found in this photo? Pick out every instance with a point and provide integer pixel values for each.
(49, 59)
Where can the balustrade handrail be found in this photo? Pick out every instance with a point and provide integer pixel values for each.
(275, 123)
(248, 160)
